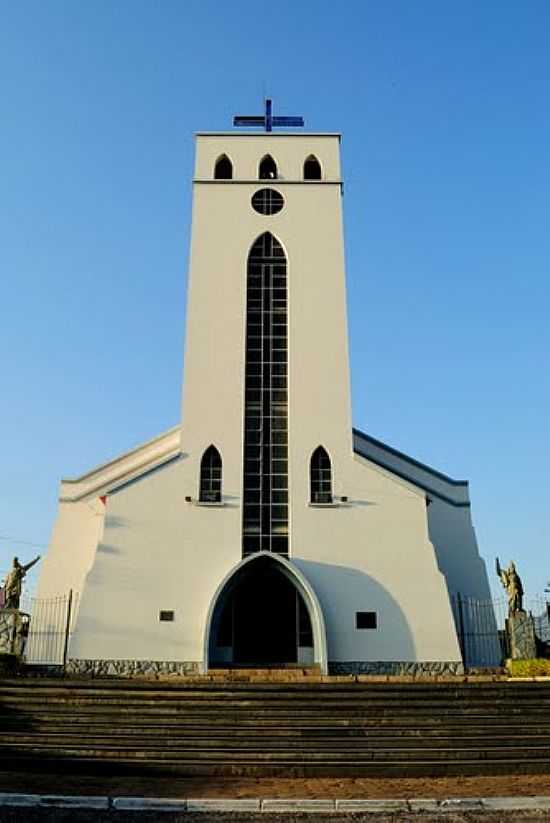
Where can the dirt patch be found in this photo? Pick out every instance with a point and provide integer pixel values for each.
(437, 787)
(15, 815)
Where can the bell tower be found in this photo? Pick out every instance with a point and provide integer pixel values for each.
(266, 359)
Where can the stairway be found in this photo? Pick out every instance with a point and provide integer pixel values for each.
(290, 729)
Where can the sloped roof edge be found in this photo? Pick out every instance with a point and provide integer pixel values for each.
(127, 466)
(163, 448)
(434, 483)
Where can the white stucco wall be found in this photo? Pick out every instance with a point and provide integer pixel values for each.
(79, 523)
(157, 553)
(450, 524)
(72, 548)
(453, 534)
(374, 554)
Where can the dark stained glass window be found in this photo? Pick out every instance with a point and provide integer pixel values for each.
(211, 476)
(265, 493)
(320, 476)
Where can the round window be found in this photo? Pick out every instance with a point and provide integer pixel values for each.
(267, 201)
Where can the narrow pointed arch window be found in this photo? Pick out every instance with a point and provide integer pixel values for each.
(265, 505)
(267, 169)
(320, 473)
(223, 169)
(211, 476)
(312, 168)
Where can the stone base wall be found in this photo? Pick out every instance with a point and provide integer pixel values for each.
(162, 668)
(396, 668)
(132, 668)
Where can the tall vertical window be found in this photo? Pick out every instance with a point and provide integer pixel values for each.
(268, 168)
(312, 168)
(320, 476)
(211, 476)
(223, 169)
(265, 493)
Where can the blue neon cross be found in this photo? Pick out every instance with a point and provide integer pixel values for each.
(267, 120)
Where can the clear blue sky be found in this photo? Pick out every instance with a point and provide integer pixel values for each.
(446, 148)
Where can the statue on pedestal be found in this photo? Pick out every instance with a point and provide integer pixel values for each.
(520, 626)
(514, 588)
(14, 624)
(14, 580)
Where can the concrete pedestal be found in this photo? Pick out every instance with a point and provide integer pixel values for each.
(520, 629)
(13, 631)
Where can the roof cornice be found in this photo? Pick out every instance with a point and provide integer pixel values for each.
(128, 466)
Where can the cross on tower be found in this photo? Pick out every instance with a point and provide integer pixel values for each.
(267, 120)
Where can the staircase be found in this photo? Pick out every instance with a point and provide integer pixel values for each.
(292, 729)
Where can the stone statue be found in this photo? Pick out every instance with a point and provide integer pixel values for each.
(12, 586)
(514, 589)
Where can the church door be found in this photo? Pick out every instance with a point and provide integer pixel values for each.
(261, 620)
(265, 619)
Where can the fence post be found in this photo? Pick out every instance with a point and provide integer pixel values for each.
(67, 629)
(461, 632)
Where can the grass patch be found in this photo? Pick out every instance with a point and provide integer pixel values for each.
(537, 667)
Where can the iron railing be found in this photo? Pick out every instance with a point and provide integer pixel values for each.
(480, 627)
(52, 623)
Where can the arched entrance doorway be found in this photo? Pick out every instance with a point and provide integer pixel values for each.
(265, 614)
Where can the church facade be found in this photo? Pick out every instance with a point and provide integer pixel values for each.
(264, 530)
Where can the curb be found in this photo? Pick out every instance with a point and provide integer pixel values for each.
(278, 805)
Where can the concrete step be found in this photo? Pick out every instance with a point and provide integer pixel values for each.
(261, 707)
(300, 698)
(247, 698)
(327, 683)
(294, 729)
(514, 715)
(318, 690)
(317, 731)
(233, 759)
(336, 768)
(303, 744)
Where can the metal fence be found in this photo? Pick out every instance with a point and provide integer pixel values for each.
(51, 626)
(480, 627)
(539, 608)
(477, 630)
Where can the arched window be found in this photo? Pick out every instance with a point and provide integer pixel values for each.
(265, 505)
(268, 168)
(211, 476)
(320, 474)
(224, 168)
(312, 168)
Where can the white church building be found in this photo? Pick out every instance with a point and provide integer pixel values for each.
(265, 531)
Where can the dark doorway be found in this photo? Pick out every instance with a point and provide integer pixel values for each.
(263, 618)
